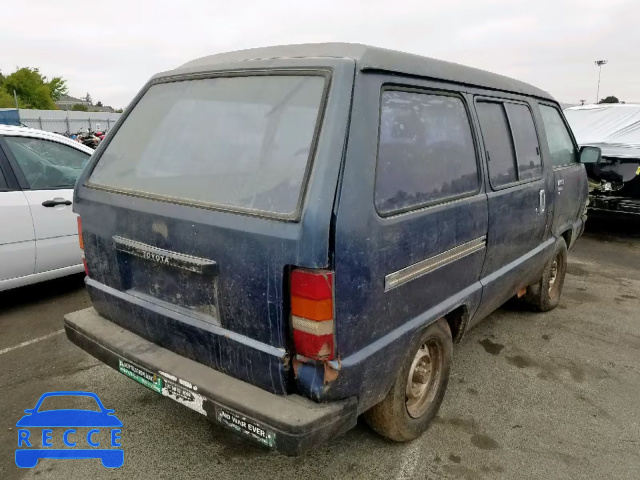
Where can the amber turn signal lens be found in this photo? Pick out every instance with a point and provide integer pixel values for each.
(312, 309)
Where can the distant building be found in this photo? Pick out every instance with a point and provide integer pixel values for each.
(94, 108)
(66, 102)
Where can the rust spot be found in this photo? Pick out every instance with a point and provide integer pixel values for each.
(285, 360)
(296, 364)
(325, 351)
(522, 292)
(330, 374)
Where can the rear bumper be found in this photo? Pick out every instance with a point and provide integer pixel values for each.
(287, 423)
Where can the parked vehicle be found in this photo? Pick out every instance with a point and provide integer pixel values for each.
(614, 182)
(285, 238)
(89, 139)
(38, 238)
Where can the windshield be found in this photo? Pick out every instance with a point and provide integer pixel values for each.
(237, 142)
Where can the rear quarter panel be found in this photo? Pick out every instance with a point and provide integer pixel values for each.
(375, 326)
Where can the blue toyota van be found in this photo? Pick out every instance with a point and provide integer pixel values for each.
(285, 238)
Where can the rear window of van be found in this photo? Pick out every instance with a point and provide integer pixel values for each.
(240, 143)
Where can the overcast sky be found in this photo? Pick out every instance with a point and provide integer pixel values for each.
(111, 48)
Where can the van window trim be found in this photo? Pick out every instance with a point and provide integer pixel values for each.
(395, 87)
(558, 109)
(296, 215)
(488, 99)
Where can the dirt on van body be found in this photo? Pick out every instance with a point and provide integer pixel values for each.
(534, 396)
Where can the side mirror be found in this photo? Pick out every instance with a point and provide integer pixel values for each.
(590, 155)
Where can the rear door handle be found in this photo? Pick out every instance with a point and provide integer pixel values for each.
(56, 201)
(543, 201)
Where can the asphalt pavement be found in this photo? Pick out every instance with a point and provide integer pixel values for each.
(534, 396)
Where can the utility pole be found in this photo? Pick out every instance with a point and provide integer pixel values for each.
(599, 64)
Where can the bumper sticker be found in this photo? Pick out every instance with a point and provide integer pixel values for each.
(165, 384)
(172, 387)
(186, 397)
(247, 426)
(140, 375)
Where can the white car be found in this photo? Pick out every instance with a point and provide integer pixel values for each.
(38, 229)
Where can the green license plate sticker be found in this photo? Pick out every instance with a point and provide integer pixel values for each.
(140, 375)
(246, 425)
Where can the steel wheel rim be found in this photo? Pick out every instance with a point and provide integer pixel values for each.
(553, 278)
(423, 378)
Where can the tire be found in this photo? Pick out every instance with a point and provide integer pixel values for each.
(402, 417)
(545, 295)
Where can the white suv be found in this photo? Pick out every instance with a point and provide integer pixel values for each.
(38, 229)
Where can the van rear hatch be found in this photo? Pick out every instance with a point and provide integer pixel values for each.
(195, 210)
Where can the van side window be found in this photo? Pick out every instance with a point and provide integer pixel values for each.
(525, 140)
(498, 142)
(563, 151)
(426, 151)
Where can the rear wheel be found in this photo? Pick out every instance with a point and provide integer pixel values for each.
(545, 295)
(418, 390)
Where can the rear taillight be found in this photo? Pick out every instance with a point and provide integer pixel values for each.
(312, 313)
(81, 242)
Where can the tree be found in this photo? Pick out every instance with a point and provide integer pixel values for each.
(58, 87)
(610, 99)
(7, 100)
(88, 99)
(31, 87)
(99, 104)
(119, 110)
(78, 107)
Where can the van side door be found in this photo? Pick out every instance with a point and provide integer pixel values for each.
(412, 214)
(570, 179)
(517, 195)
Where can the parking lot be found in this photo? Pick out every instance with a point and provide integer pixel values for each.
(550, 395)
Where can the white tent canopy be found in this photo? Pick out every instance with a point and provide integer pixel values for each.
(614, 127)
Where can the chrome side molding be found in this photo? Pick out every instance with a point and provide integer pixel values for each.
(423, 267)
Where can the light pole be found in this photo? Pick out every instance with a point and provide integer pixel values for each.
(599, 64)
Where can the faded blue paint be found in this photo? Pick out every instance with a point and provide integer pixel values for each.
(237, 320)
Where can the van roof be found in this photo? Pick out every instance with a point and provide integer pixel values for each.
(374, 58)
